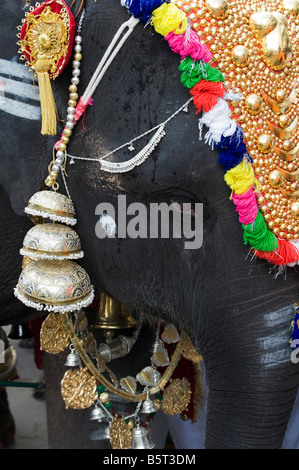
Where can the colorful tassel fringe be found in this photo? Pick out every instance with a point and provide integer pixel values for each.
(209, 95)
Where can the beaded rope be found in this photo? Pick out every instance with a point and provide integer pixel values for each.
(206, 85)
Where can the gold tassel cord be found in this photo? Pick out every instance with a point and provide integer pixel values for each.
(48, 106)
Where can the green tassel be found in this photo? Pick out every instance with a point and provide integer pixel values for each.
(195, 70)
(258, 236)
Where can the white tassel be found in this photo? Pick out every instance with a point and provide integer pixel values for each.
(218, 121)
(230, 96)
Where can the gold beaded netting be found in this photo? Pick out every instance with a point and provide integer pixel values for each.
(255, 45)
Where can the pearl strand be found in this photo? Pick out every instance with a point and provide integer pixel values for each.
(70, 118)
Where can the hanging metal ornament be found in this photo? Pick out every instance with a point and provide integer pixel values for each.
(120, 434)
(98, 414)
(46, 40)
(72, 360)
(170, 334)
(160, 357)
(102, 433)
(128, 384)
(149, 377)
(176, 397)
(51, 205)
(79, 389)
(58, 286)
(52, 241)
(53, 337)
(141, 439)
(149, 406)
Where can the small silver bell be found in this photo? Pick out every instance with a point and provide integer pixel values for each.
(72, 359)
(98, 414)
(101, 434)
(149, 406)
(140, 439)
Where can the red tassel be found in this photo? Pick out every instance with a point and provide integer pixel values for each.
(285, 254)
(206, 95)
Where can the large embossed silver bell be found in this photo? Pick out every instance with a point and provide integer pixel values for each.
(72, 359)
(98, 414)
(141, 439)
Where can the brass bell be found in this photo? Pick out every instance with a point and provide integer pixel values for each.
(21, 331)
(98, 414)
(141, 439)
(111, 314)
(72, 359)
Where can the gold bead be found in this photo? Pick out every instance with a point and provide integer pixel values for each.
(275, 178)
(78, 56)
(72, 103)
(265, 143)
(73, 88)
(62, 147)
(284, 121)
(295, 209)
(67, 132)
(65, 140)
(282, 234)
(261, 200)
(264, 209)
(253, 103)
(73, 96)
(49, 181)
(104, 398)
(288, 145)
(130, 424)
(271, 225)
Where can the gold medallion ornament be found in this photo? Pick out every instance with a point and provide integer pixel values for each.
(176, 397)
(46, 39)
(53, 337)
(79, 389)
(255, 45)
(120, 434)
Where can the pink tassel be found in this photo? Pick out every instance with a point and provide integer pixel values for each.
(188, 44)
(246, 206)
(80, 108)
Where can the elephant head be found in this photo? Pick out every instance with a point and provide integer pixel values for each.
(235, 310)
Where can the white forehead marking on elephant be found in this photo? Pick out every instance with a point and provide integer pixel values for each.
(108, 224)
(12, 89)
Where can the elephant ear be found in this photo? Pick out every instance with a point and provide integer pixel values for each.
(46, 41)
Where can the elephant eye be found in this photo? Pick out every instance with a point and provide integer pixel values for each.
(187, 207)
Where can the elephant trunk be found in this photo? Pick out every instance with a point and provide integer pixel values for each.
(252, 385)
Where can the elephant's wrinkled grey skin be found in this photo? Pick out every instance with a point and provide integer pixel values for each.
(236, 312)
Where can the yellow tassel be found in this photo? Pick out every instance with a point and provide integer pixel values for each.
(168, 18)
(240, 178)
(48, 107)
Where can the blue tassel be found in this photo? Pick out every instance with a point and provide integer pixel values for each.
(295, 328)
(143, 9)
(232, 150)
